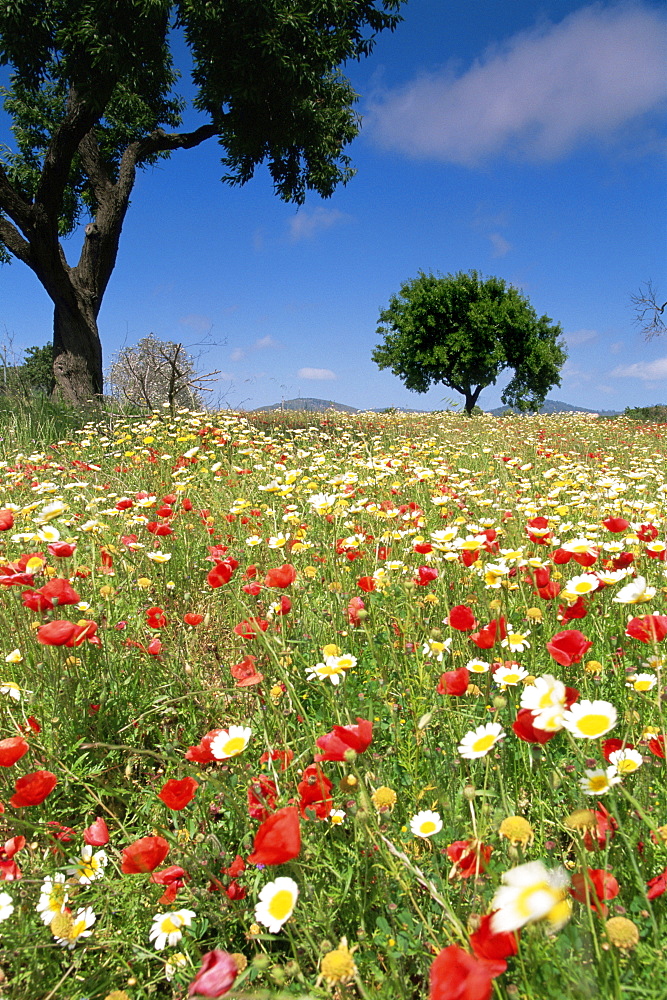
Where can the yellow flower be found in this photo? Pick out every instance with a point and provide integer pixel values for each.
(338, 965)
(143, 582)
(622, 932)
(535, 614)
(517, 830)
(14, 657)
(384, 798)
(331, 649)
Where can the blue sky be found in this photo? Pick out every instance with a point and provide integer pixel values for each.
(522, 139)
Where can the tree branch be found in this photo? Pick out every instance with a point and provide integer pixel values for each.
(158, 141)
(100, 181)
(18, 210)
(78, 121)
(15, 243)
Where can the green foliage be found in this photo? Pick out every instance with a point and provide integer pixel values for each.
(266, 77)
(655, 414)
(463, 331)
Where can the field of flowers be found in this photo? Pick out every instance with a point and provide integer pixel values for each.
(364, 706)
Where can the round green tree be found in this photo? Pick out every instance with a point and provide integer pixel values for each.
(464, 330)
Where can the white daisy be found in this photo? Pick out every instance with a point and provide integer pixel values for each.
(590, 719)
(89, 867)
(598, 781)
(635, 592)
(276, 903)
(230, 742)
(508, 676)
(67, 929)
(426, 824)
(626, 760)
(478, 742)
(53, 898)
(530, 892)
(167, 928)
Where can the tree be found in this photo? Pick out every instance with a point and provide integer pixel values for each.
(464, 330)
(649, 311)
(91, 90)
(156, 372)
(33, 375)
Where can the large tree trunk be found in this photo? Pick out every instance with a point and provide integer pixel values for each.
(77, 354)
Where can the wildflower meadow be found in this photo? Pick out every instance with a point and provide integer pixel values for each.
(328, 705)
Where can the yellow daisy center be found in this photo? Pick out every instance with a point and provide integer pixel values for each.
(281, 904)
(593, 725)
(233, 746)
(484, 743)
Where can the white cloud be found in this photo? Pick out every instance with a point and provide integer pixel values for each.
(305, 224)
(196, 322)
(265, 342)
(238, 354)
(576, 337)
(648, 371)
(538, 95)
(499, 244)
(317, 374)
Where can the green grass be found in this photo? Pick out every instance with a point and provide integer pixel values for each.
(115, 719)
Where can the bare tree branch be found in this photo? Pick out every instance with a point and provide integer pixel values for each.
(649, 314)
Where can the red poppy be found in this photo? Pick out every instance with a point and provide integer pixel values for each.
(657, 746)
(216, 975)
(469, 857)
(11, 750)
(657, 886)
(97, 834)
(159, 528)
(593, 887)
(355, 606)
(201, 754)
(493, 947)
(454, 682)
(65, 633)
(569, 647)
(616, 524)
(490, 634)
(154, 647)
(235, 891)
(284, 606)
(282, 576)
(251, 627)
(570, 612)
(55, 592)
(611, 746)
(144, 855)
(523, 728)
(285, 757)
(426, 575)
(648, 628)
(237, 867)
(603, 831)
(221, 573)
(9, 870)
(278, 839)
(461, 618)
(262, 796)
(342, 739)
(6, 520)
(245, 673)
(178, 794)
(61, 550)
(315, 793)
(456, 975)
(172, 878)
(156, 618)
(367, 584)
(254, 589)
(33, 788)
(192, 619)
(647, 533)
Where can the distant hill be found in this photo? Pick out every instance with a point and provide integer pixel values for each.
(555, 406)
(309, 405)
